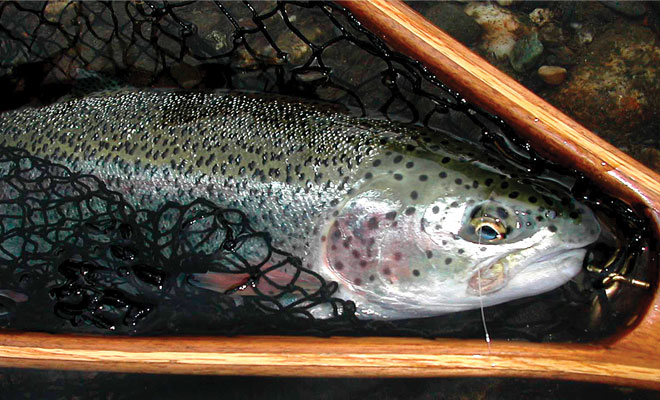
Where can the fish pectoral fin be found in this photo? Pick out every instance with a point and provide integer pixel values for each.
(224, 282)
(16, 297)
(271, 282)
(488, 279)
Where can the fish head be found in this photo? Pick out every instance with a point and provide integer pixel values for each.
(404, 248)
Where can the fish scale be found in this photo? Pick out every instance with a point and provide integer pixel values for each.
(326, 185)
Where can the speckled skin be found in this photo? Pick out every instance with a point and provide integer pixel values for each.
(386, 210)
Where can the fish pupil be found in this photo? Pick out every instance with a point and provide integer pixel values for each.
(488, 233)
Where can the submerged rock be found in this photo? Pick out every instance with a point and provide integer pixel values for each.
(551, 35)
(629, 8)
(501, 28)
(451, 19)
(561, 56)
(526, 52)
(551, 74)
(541, 16)
(187, 76)
(616, 90)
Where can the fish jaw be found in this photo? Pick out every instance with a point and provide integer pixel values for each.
(539, 276)
(548, 262)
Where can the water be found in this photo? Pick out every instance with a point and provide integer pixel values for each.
(117, 286)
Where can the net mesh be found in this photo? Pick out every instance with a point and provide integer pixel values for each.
(103, 266)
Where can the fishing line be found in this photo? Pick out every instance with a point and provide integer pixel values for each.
(481, 301)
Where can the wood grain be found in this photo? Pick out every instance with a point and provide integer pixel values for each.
(555, 135)
(552, 133)
(340, 357)
(629, 360)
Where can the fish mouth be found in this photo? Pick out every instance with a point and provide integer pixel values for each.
(546, 271)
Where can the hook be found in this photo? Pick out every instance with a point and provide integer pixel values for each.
(614, 277)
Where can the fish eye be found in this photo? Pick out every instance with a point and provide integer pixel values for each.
(489, 229)
(491, 223)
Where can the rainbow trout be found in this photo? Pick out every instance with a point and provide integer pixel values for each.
(409, 223)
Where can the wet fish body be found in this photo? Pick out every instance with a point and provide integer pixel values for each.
(410, 223)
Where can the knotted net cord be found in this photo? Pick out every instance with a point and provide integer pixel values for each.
(110, 268)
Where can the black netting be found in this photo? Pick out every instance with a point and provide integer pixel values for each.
(90, 262)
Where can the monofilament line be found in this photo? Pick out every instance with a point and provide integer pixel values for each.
(481, 301)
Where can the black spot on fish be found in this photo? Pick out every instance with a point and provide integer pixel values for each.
(390, 215)
(442, 175)
(504, 185)
(371, 278)
(475, 184)
(358, 281)
(376, 163)
(368, 175)
(415, 272)
(539, 218)
(448, 260)
(476, 211)
(398, 256)
(458, 181)
(398, 177)
(356, 253)
(363, 263)
(387, 271)
(372, 223)
(502, 213)
(454, 204)
(532, 199)
(552, 228)
(513, 195)
(488, 182)
(397, 159)
(410, 164)
(429, 254)
(461, 251)
(339, 265)
(548, 200)
(435, 209)
(413, 195)
(410, 147)
(573, 215)
(410, 210)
